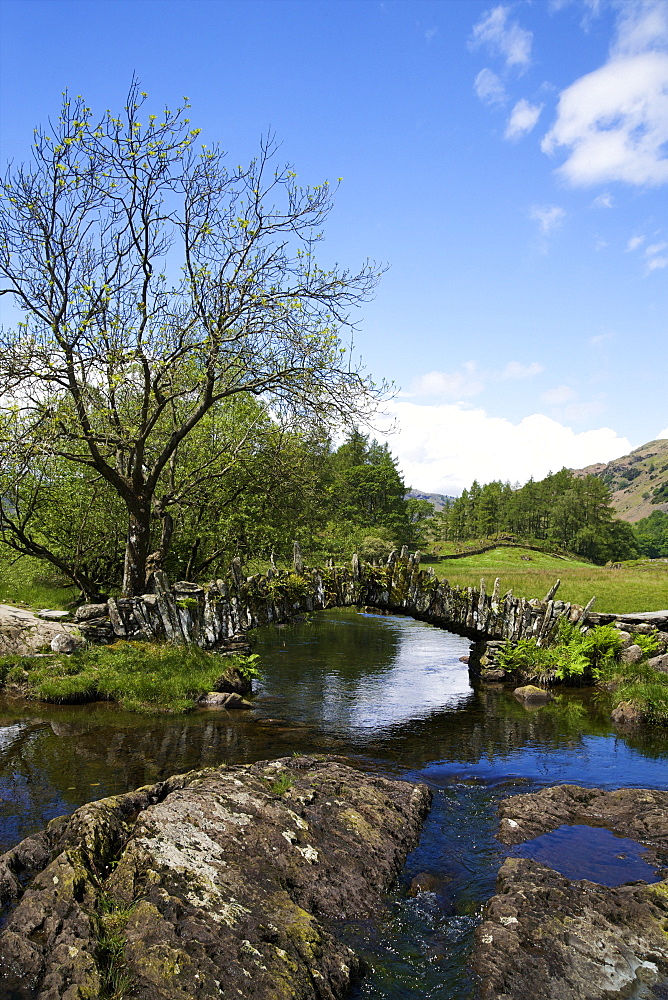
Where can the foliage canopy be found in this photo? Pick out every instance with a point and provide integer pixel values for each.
(156, 283)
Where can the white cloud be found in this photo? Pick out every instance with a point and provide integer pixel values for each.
(635, 242)
(450, 385)
(443, 448)
(430, 33)
(560, 394)
(489, 87)
(604, 200)
(662, 434)
(577, 413)
(469, 380)
(515, 369)
(549, 217)
(522, 119)
(654, 261)
(590, 10)
(614, 123)
(503, 36)
(641, 27)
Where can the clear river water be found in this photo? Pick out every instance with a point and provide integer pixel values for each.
(392, 696)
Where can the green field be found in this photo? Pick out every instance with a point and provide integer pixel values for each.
(638, 586)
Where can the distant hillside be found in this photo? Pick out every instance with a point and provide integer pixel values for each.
(639, 481)
(437, 500)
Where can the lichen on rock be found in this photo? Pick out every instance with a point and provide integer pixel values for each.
(575, 938)
(216, 877)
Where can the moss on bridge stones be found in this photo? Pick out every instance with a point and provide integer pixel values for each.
(215, 615)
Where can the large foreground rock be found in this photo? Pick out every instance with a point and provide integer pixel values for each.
(639, 813)
(227, 882)
(22, 632)
(562, 939)
(546, 936)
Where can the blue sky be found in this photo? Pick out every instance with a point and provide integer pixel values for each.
(508, 162)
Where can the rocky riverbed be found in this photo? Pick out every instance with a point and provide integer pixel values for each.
(575, 939)
(230, 882)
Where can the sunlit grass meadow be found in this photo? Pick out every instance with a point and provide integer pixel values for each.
(638, 586)
(33, 583)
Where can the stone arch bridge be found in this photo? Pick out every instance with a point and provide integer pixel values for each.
(218, 615)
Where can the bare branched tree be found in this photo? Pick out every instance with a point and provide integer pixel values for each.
(156, 282)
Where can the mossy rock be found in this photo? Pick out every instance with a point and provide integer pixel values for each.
(220, 876)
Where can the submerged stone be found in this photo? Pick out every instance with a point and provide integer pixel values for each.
(533, 695)
(627, 713)
(224, 882)
(221, 699)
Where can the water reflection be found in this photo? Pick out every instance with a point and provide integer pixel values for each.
(392, 695)
(391, 692)
(589, 852)
(358, 675)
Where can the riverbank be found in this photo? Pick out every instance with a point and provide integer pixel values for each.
(138, 676)
(630, 667)
(391, 694)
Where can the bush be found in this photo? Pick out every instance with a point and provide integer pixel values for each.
(571, 656)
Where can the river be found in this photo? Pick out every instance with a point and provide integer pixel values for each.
(392, 696)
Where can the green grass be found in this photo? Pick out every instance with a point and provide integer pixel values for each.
(637, 586)
(140, 677)
(116, 982)
(33, 583)
(281, 785)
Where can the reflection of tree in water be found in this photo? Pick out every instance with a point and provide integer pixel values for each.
(23, 793)
(350, 643)
(66, 759)
(58, 757)
(494, 725)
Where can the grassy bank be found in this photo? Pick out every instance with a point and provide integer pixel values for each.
(638, 586)
(640, 686)
(140, 677)
(33, 583)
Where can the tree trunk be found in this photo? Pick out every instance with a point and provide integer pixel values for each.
(137, 549)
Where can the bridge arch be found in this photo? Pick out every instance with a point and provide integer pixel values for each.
(219, 615)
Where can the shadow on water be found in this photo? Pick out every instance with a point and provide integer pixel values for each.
(391, 695)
